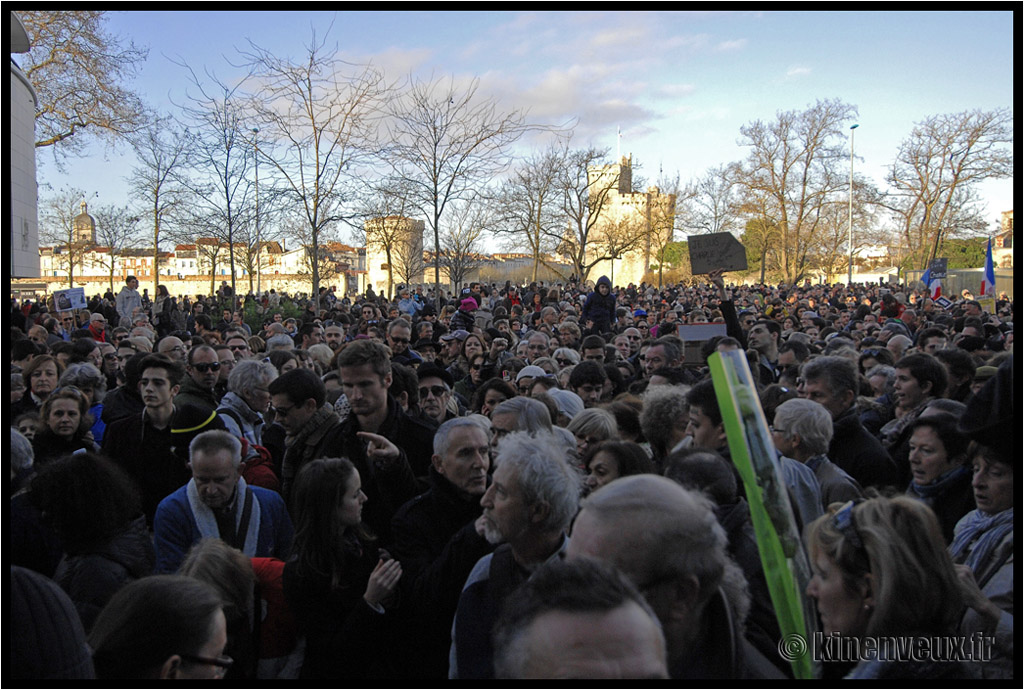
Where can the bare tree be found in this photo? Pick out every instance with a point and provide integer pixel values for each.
(409, 263)
(209, 253)
(937, 169)
(460, 240)
(79, 71)
(585, 197)
(58, 230)
(710, 203)
(448, 142)
(220, 161)
(832, 242)
(318, 116)
(796, 163)
(529, 205)
(155, 180)
(117, 229)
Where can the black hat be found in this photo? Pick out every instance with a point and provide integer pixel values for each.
(428, 369)
(424, 343)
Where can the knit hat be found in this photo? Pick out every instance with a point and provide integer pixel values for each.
(568, 402)
(530, 371)
(468, 304)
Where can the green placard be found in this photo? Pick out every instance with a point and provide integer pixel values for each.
(786, 567)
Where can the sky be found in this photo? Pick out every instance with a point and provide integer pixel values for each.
(677, 85)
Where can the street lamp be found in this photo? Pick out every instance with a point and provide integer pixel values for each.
(849, 276)
(256, 148)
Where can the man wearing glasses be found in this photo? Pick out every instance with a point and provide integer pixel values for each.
(173, 348)
(203, 370)
(435, 389)
(239, 347)
(399, 335)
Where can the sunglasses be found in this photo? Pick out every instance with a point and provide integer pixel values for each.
(436, 391)
(203, 367)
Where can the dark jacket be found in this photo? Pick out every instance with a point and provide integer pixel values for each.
(47, 446)
(436, 541)
(386, 489)
(121, 403)
(721, 651)
(762, 625)
(860, 454)
(345, 638)
(600, 308)
(91, 578)
(191, 393)
(307, 445)
(150, 456)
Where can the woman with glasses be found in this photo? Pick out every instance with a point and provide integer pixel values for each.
(247, 400)
(881, 571)
(480, 370)
(65, 426)
(338, 583)
(164, 626)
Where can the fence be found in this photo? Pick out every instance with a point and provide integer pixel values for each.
(959, 279)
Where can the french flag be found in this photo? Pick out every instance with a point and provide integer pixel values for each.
(988, 282)
(934, 285)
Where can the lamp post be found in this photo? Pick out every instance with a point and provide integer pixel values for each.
(256, 148)
(849, 276)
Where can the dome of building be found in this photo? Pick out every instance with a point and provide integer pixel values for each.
(85, 226)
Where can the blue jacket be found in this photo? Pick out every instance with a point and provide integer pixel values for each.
(176, 529)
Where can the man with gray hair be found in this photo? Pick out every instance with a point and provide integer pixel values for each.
(802, 431)
(667, 540)
(833, 383)
(520, 413)
(438, 538)
(527, 510)
(579, 619)
(217, 503)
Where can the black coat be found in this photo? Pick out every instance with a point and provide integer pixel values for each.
(150, 456)
(860, 454)
(386, 489)
(436, 541)
(92, 578)
(345, 638)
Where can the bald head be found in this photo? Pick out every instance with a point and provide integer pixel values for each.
(653, 529)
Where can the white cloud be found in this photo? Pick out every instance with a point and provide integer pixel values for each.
(797, 71)
(728, 46)
(675, 90)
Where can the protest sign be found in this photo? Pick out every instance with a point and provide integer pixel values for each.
(714, 251)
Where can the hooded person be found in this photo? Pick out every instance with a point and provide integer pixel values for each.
(600, 307)
(464, 318)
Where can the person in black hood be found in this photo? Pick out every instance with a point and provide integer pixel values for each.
(599, 309)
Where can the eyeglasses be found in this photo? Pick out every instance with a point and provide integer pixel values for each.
(477, 367)
(238, 348)
(111, 357)
(399, 341)
(563, 362)
(436, 391)
(223, 663)
(204, 367)
(282, 411)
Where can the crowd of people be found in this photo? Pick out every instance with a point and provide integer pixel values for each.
(506, 482)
